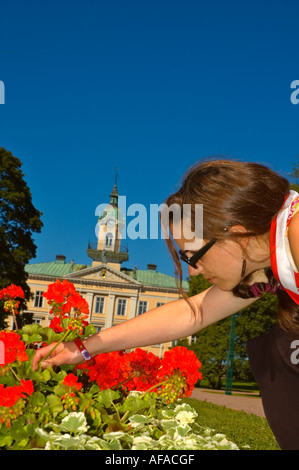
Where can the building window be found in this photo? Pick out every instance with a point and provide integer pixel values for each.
(109, 238)
(121, 307)
(99, 305)
(142, 307)
(159, 304)
(38, 299)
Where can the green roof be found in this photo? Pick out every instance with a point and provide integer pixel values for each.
(54, 268)
(150, 277)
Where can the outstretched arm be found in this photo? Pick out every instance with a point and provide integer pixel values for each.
(174, 320)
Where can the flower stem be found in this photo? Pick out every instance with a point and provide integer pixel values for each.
(11, 369)
(61, 320)
(154, 386)
(63, 338)
(15, 319)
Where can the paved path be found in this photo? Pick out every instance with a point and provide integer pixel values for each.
(251, 405)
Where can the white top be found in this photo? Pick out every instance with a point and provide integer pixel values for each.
(282, 262)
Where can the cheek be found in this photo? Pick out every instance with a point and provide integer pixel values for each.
(225, 263)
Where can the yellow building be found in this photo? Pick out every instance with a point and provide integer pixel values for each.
(114, 294)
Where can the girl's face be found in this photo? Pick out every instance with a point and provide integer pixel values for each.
(220, 265)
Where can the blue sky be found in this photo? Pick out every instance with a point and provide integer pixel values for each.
(149, 87)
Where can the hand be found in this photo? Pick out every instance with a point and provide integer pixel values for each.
(64, 353)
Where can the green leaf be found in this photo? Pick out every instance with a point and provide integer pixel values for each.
(67, 441)
(30, 334)
(37, 399)
(115, 445)
(107, 397)
(89, 330)
(6, 441)
(138, 420)
(49, 336)
(55, 404)
(134, 405)
(74, 423)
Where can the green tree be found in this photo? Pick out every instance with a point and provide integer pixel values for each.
(295, 176)
(295, 173)
(18, 221)
(212, 343)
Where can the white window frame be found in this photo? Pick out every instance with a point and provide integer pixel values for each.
(38, 298)
(99, 301)
(121, 307)
(142, 307)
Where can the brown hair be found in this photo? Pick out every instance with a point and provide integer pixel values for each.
(235, 193)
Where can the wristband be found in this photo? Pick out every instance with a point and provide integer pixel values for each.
(83, 350)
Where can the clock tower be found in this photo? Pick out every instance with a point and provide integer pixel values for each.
(110, 225)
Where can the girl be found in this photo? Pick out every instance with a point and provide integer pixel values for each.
(249, 245)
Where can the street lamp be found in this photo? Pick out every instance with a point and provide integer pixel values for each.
(230, 358)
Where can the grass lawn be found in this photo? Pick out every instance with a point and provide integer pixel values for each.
(248, 431)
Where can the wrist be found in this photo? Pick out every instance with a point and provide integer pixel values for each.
(86, 355)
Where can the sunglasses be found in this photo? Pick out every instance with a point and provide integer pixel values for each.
(199, 254)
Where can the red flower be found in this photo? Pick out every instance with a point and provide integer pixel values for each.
(106, 370)
(78, 303)
(72, 381)
(26, 387)
(184, 364)
(10, 395)
(11, 292)
(59, 291)
(62, 296)
(139, 370)
(56, 324)
(14, 348)
(174, 376)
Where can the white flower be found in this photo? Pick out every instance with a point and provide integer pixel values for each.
(185, 417)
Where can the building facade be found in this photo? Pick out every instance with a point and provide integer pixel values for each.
(115, 294)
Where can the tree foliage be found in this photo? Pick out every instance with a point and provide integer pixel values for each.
(19, 219)
(212, 343)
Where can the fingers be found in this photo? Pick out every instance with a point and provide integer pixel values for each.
(64, 353)
(40, 353)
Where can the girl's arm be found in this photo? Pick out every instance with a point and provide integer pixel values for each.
(174, 320)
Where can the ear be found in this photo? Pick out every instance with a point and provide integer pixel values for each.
(242, 240)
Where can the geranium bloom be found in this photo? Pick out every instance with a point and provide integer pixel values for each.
(62, 296)
(184, 364)
(72, 381)
(139, 370)
(56, 324)
(26, 387)
(77, 302)
(11, 292)
(59, 291)
(106, 370)
(10, 395)
(14, 348)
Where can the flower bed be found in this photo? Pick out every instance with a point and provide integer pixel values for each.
(119, 401)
